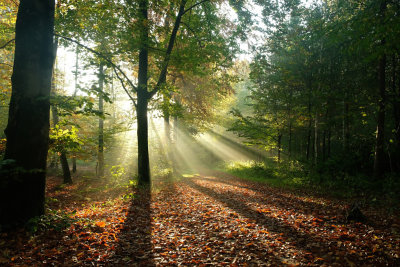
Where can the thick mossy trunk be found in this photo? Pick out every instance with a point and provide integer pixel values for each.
(22, 189)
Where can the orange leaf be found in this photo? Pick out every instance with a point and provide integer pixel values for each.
(100, 224)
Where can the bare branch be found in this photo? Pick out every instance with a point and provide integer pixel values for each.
(193, 6)
(163, 74)
(3, 46)
(116, 67)
(194, 34)
(123, 86)
(1, 63)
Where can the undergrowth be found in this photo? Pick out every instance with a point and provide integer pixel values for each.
(294, 175)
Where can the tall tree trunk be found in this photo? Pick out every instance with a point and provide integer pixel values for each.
(396, 113)
(100, 154)
(309, 132)
(379, 161)
(74, 163)
(75, 92)
(279, 146)
(290, 139)
(309, 84)
(63, 154)
(329, 143)
(346, 133)
(316, 139)
(76, 70)
(22, 190)
(142, 97)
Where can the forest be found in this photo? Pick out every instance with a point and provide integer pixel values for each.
(200, 133)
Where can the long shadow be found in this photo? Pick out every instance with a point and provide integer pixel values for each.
(182, 222)
(304, 241)
(134, 241)
(280, 201)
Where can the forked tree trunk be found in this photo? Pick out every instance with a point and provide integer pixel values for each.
(22, 190)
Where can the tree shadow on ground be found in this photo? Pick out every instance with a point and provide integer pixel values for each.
(134, 246)
(280, 200)
(312, 245)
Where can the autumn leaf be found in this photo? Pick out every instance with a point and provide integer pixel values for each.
(100, 224)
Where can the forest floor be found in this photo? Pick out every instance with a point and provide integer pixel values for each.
(208, 219)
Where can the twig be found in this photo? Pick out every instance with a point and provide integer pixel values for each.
(1, 63)
(193, 6)
(103, 57)
(3, 46)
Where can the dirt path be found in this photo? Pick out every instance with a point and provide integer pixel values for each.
(217, 221)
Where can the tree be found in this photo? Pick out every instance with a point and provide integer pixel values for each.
(24, 169)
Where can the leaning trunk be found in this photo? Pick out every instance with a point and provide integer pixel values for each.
(22, 190)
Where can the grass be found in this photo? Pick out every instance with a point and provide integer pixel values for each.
(277, 176)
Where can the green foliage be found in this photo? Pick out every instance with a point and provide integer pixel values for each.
(291, 176)
(118, 174)
(54, 220)
(62, 140)
(75, 105)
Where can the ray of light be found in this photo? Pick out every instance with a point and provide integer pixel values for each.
(223, 150)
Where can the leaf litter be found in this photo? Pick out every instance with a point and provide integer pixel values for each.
(203, 220)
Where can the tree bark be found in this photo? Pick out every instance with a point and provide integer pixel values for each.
(396, 113)
(75, 92)
(142, 97)
(316, 139)
(100, 154)
(309, 132)
(74, 164)
(279, 147)
(63, 154)
(22, 190)
(379, 161)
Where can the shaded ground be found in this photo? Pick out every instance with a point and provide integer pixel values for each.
(208, 219)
